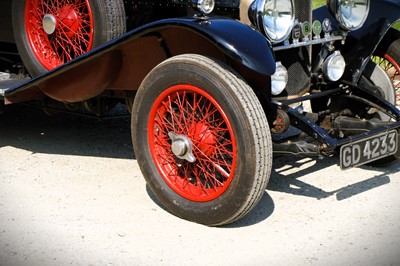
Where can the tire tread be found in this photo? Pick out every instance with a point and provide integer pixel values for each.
(260, 128)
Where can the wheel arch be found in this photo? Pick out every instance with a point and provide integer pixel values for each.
(123, 63)
(250, 56)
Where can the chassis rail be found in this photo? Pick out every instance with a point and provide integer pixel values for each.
(328, 143)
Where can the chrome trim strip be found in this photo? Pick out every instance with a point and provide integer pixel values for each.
(310, 42)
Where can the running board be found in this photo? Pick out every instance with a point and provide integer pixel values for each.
(7, 84)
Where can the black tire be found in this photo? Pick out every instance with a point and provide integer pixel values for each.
(102, 20)
(388, 57)
(207, 94)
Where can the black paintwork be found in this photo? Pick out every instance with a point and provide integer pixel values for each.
(236, 41)
(140, 12)
(362, 43)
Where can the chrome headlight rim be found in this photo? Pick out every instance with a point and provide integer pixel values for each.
(334, 8)
(334, 66)
(260, 4)
(279, 79)
(205, 7)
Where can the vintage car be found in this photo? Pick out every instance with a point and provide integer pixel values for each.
(216, 88)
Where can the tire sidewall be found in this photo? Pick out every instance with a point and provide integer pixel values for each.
(211, 212)
(391, 46)
(32, 64)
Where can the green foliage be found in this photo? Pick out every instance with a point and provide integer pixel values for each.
(318, 3)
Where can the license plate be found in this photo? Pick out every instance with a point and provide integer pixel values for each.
(369, 149)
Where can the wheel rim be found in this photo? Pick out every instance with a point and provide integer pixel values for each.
(392, 68)
(186, 119)
(58, 31)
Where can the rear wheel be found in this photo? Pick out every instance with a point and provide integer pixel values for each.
(49, 33)
(202, 140)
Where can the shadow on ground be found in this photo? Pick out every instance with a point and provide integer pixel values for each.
(291, 184)
(30, 129)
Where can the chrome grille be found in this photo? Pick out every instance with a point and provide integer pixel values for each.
(303, 10)
(297, 60)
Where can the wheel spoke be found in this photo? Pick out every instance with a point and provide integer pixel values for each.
(192, 113)
(73, 34)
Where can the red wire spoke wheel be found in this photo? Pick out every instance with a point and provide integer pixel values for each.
(205, 131)
(58, 31)
(49, 33)
(201, 139)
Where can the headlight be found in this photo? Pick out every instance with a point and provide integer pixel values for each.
(203, 6)
(279, 79)
(274, 18)
(334, 66)
(350, 13)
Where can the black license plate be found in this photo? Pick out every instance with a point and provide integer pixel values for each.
(369, 149)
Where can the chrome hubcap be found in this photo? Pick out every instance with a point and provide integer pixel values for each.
(49, 24)
(181, 147)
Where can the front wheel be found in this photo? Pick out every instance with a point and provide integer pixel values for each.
(387, 56)
(202, 140)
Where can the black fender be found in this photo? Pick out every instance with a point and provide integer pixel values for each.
(122, 64)
(361, 44)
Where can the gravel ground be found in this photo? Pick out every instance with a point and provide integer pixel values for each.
(71, 193)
